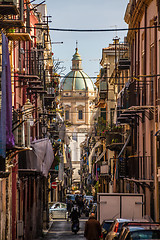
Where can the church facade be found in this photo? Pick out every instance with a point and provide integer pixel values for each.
(77, 95)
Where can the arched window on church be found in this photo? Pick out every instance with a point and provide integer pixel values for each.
(67, 115)
(80, 114)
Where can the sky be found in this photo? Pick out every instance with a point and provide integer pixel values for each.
(85, 14)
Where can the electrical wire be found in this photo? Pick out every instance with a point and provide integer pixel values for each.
(99, 78)
(94, 30)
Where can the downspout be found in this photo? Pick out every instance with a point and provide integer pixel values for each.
(138, 103)
(156, 205)
(135, 53)
(145, 56)
(7, 210)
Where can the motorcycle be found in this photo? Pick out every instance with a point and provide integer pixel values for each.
(75, 226)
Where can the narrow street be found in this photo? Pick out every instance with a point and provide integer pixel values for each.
(61, 229)
(79, 119)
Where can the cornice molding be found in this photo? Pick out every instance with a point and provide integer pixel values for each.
(136, 16)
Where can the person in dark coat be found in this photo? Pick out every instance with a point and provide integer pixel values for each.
(92, 229)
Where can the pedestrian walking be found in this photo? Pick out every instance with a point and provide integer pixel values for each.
(92, 228)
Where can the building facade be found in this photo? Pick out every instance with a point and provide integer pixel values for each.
(77, 95)
(27, 110)
(133, 86)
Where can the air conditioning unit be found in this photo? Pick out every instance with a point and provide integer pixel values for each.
(105, 169)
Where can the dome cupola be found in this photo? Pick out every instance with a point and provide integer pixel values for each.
(77, 79)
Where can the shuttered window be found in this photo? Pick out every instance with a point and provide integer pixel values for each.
(67, 115)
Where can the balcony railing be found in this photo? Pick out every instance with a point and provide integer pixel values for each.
(12, 12)
(9, 7)
(136, 167)
(124, 64)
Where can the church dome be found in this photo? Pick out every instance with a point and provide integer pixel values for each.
(77, 79)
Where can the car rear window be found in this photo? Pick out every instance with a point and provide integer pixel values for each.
(145, 234)
(120, 226)
(107, 225)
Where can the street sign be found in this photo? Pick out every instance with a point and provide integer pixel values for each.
(54, 185)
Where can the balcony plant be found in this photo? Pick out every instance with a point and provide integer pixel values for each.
(104, 129)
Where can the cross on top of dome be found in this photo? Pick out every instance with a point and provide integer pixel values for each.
(76, 60)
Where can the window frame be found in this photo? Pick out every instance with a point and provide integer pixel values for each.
(66, 114)
(80, 114)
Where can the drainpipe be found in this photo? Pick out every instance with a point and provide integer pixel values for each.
(156, 205)
(7, 210)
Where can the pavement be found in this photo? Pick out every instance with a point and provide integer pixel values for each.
(61, 229)
(45, 231)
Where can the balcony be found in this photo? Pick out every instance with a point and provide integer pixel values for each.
(11, 23)
(114, 140)
(103, 94)
(124, 64)
(103, 89)
(11, 14)
(135, 167)
(49, 97)
(8, 7)
(129, 116)
(19, 36)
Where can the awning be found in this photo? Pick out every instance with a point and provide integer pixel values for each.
(39, 159)
(91, 154)
(127, 141)
(100, 156)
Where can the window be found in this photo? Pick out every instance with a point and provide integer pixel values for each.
(80, 114)
(67, 115)
(74, 136)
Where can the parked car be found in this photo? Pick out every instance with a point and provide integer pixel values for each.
(117, 225)
(58, 210)
(139, 230)
(106, 224)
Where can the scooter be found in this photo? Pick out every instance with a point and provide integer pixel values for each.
(75, 226)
